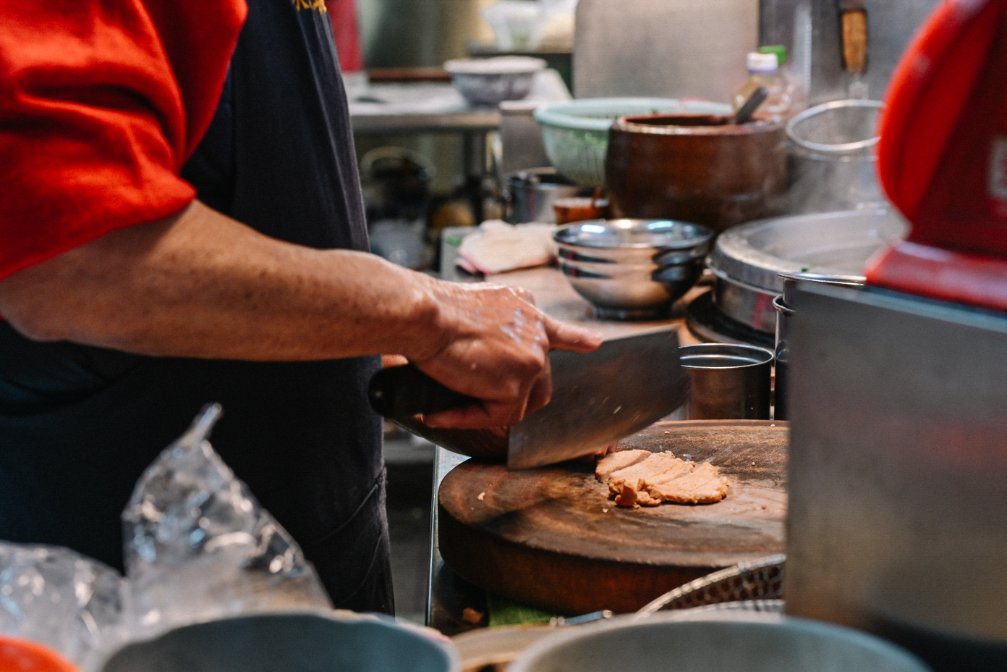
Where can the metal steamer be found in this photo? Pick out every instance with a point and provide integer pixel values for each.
(747, 262)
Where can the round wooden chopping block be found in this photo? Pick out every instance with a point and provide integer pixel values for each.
(552, 538)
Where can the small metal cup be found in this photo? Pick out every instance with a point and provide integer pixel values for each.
(728, 381)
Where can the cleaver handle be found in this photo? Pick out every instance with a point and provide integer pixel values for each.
(404, 391)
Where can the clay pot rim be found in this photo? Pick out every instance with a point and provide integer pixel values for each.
(638, 124)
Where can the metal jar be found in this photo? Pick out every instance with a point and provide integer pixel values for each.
(530, 194)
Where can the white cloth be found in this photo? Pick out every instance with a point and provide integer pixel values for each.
(497, 247)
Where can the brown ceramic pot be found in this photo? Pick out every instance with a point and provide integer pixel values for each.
(698, 168)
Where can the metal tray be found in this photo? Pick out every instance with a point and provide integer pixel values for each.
(747, 260)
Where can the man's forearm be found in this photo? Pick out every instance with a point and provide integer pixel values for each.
(202, 285)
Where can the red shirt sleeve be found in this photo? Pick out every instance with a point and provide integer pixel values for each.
(101, 102)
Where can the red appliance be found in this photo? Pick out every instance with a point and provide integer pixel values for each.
(942, 158)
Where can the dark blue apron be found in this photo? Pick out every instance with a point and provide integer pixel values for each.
(79, 424)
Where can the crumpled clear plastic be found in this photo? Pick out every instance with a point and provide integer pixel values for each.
(59, 598)
(199, 545)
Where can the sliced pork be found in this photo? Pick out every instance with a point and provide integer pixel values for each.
(619, 460)
(648, 479)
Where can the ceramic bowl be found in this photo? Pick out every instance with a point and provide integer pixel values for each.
(490, 81)
(575, 133)
(701, 168)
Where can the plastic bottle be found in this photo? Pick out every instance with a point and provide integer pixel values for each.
(791, 81)
(763, 70)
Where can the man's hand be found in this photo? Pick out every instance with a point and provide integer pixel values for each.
(495, 348)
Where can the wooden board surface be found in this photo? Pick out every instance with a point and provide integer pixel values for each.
(552, 538)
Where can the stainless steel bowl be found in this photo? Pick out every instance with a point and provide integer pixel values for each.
(728, 641)
(655, 256)
(312, 640)
(610, 269)
(627, 239)
(632, 268)
(630, 291)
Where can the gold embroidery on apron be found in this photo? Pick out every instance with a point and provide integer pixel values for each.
(318, 5)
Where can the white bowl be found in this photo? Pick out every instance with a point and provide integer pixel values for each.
(490, 81)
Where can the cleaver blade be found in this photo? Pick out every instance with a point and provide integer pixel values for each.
(599, 397)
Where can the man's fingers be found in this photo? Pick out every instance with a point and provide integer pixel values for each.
(566, 336)
(541, 390)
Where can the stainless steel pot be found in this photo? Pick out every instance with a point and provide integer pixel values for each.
(530, 194)
(784, 306)
(791, 281)
(747, 260)
(744, 303)
(781, 354)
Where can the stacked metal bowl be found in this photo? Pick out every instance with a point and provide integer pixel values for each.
(632, 269)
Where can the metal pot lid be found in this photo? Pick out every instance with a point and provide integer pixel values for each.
(828, 243)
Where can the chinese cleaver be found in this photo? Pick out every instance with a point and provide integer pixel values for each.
(598, 397)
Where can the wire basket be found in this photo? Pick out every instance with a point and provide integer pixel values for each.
(755, 586)
(834, 157)
(839, 128)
